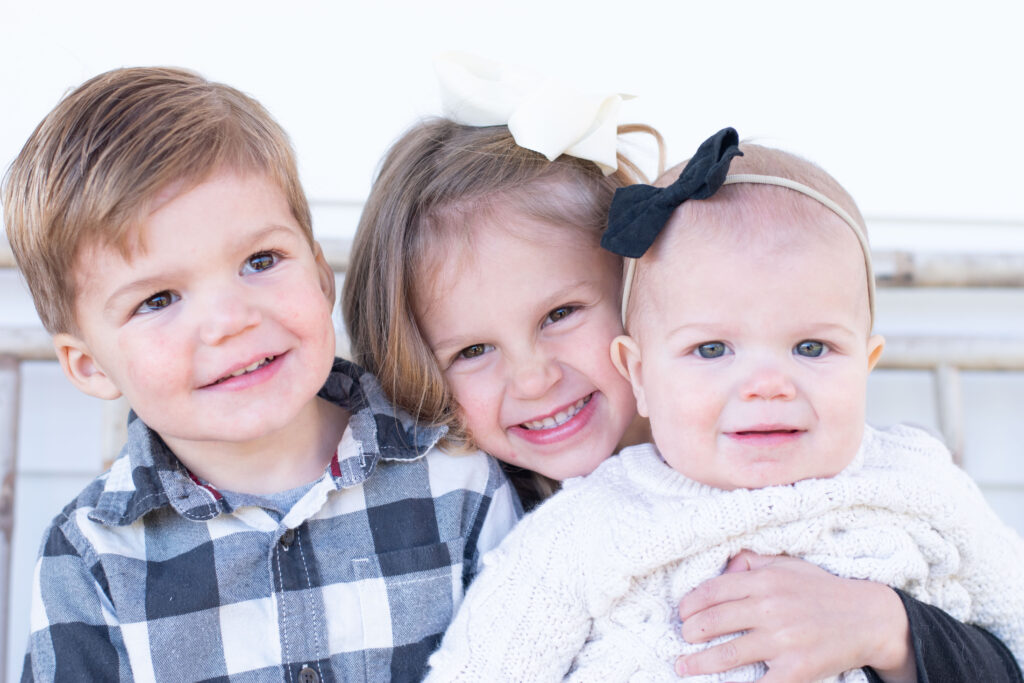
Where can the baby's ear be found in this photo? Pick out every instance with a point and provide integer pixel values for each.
(875, 345)
(626, 358)
(82, 369)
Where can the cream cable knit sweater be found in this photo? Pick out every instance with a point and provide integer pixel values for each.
(586, 587)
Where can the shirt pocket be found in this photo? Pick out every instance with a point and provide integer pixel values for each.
(407, 598)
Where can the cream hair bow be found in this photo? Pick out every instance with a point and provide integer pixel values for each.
(542, 114)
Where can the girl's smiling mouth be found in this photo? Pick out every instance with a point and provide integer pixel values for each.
(563, 424)
(559, 418)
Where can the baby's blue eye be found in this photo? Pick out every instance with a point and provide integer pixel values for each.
(263, 260)
(810, 348)
(712, 350)
(157, 302)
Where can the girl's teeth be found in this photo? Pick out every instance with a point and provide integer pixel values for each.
(558, 418)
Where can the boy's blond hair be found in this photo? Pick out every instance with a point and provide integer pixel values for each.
(432, 183)
(92, 169)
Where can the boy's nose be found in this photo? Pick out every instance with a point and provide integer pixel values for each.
(226, 315)
(768, 383)
(533, 374)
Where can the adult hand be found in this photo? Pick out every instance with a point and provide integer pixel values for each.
(803, 622)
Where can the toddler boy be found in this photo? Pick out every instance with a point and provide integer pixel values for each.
(749, 316)
(272, 516)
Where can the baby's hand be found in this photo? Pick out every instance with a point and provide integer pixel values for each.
(803, 622)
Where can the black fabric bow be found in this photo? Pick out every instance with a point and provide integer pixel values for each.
(639, 212)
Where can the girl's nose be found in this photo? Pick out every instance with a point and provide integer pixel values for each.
(769, 383)
(534, 374)
(225, 315)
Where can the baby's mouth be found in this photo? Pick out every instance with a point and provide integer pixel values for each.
(756, 432)
(247, 369)
(559, 418)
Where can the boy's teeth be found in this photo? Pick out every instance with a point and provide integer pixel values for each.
(558, 418)
(252, 367)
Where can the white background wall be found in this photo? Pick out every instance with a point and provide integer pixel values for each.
(915, 106)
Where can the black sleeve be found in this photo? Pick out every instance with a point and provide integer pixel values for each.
(948, 651)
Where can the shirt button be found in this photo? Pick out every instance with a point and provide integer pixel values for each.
(287, 538)
(307, 675)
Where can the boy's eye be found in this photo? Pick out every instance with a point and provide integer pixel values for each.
(157, 302)
(810, 348)
(261, 261)
(560, 313)
(474, 350)
(714, 349)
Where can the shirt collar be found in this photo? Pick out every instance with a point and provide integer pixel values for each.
(148, 475)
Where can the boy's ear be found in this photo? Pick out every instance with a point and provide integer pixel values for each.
(81, 368)
(875, 345)
(626, 358)
(325, 272)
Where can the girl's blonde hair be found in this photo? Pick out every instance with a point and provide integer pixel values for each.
(434, 177)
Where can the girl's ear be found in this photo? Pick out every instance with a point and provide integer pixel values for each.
(626, 358)
(325, 272)
(81, 368)
(875, 345)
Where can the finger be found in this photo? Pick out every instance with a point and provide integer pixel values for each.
(745, 560)
(719, 620)
(725, 656)
(715, 591)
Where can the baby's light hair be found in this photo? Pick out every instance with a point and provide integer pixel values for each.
(433, 182)
(90, 172)
(762, 179)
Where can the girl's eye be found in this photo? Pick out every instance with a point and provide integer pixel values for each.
(714, 349)
(157, 302)
(560, 313)
(263, 260)
(810, 348)
(474, 350)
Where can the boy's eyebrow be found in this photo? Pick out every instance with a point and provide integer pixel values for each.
(157, 282)
(148, 284)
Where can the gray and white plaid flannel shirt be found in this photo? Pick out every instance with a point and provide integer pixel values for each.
(149, 575)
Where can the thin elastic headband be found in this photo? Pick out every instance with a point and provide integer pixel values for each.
(640, 212)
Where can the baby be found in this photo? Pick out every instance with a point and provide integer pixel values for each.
(749, 317)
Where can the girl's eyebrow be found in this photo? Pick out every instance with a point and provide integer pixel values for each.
(554, 298)
(568, 292)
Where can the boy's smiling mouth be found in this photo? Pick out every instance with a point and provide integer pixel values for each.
(244, 371)
(559, 418)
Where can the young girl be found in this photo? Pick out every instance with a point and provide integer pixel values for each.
(478, 293)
